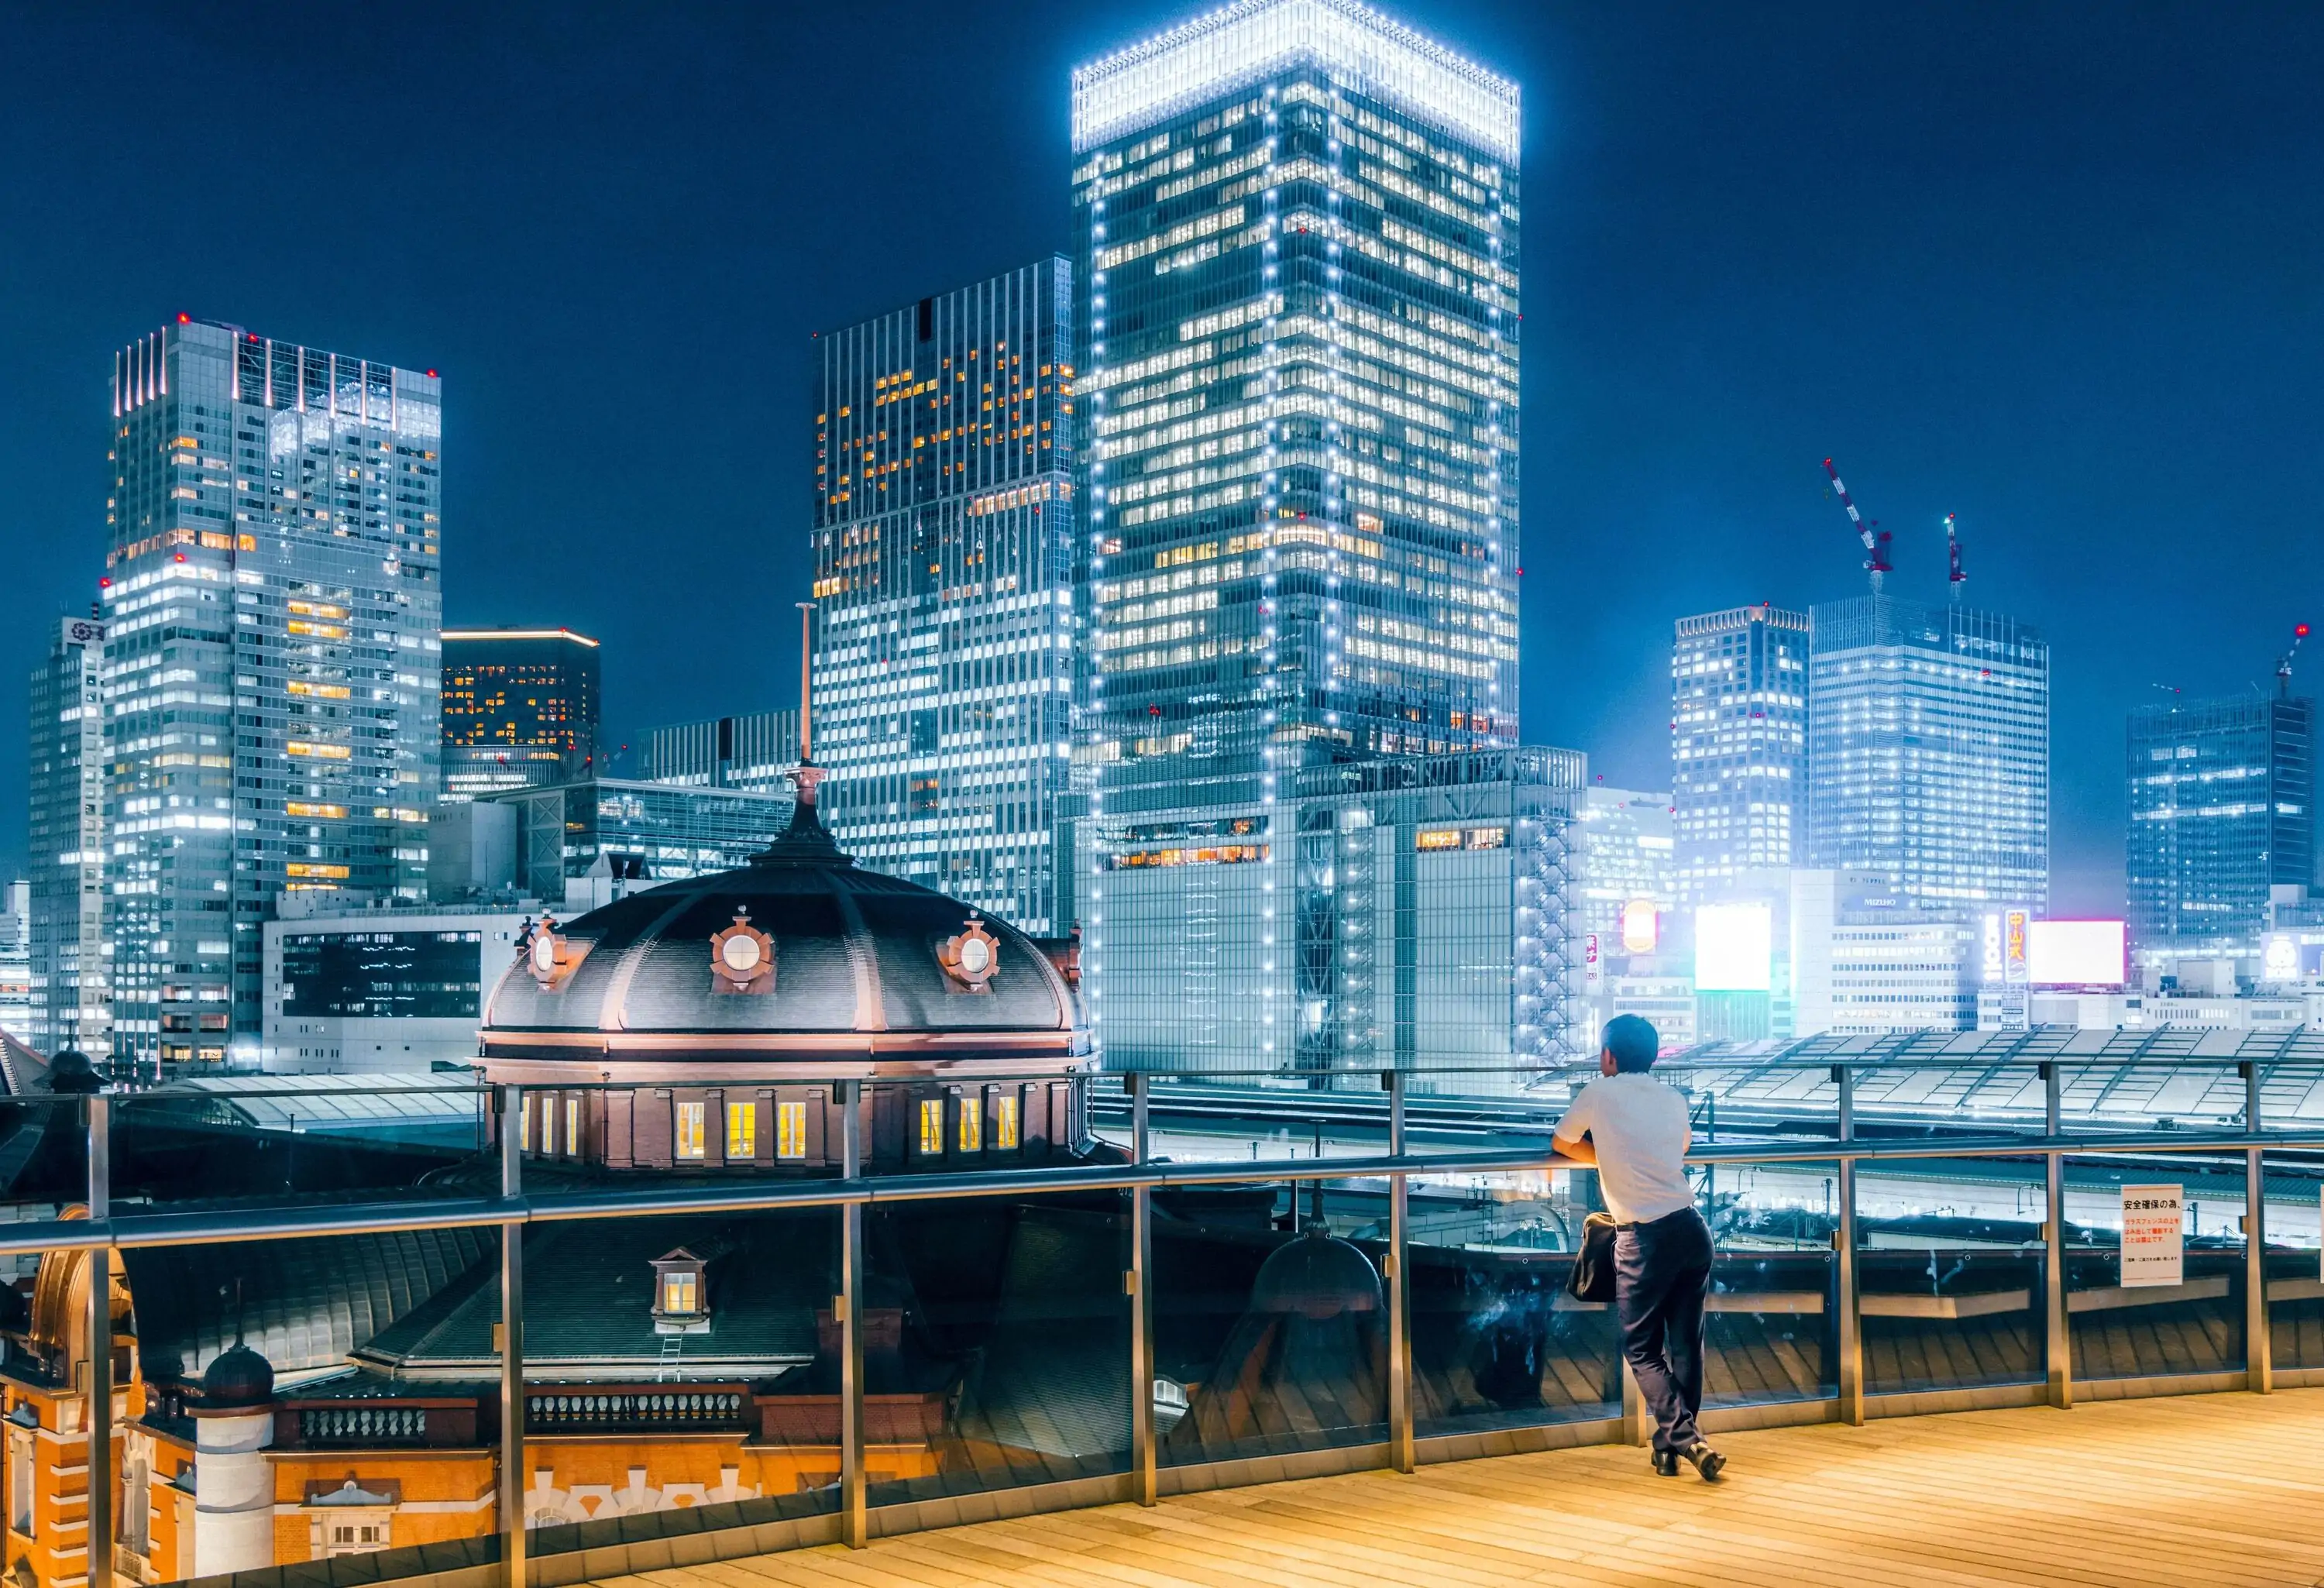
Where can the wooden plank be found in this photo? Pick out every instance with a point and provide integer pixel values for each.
(2214, 1491)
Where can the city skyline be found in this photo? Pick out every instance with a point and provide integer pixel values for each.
(1923, 431)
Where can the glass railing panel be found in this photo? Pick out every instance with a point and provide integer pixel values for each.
(1270, 1322)
(1770, 1323)
(1497, 1342)
(2123, 1328)
(273, 1139)
(43, 1157)
(2296, 1259)
(1949, 1272)
(1956, 1094)
(245, 1363)
(682, 1375)
(1002, 1333)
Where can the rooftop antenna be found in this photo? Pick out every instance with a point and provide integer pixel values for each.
(1878, 564)
(808, 774)
(2283, 662)
(1953, 575)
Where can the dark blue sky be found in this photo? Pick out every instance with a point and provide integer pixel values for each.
(2056, 268)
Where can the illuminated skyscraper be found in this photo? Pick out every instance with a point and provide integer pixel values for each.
(1298, 225)
(1928, 750)
(273, 605)
(944, 567)
(2222, 808)
(65, 844)
(1738, 744)
(520, 709)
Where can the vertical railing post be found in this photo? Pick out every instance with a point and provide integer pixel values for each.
(2058, 1340)
(512, 1407)
(1400, 1454)
(2259, 1348)
(1843, 1239)
(854, 1512)
(1138, 1284)
(98, 1535)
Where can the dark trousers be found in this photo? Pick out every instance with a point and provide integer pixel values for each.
(1661, 1272)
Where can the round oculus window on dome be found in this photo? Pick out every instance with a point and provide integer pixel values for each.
(975, 956)
(740, 952)
(544, 953)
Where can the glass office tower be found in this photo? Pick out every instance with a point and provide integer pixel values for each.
(273, 603)
(943, 542)
(2222, 808)
(1928, 750)
(1297, 222)
(65, 846)
(1738, 744)
(520, 709)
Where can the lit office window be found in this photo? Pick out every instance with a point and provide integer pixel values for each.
(932, 1125)
(690, 1131)
(972, 1124)
(741, 1130)
(573, 1127)
(790, 1130)
(1004, 1122)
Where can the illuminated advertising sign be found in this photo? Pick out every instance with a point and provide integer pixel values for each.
(2075, 953)
(2015, 1014)
(2279, 957)
(1640, 928)
(1734, 948)
(1590, 970)
(1993, 947)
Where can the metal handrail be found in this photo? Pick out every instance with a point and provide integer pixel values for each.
(290, 1222)
(102, 1230)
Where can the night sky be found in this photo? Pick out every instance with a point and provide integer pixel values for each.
(2058, 269)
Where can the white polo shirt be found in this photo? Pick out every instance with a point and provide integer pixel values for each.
(1640, 1129)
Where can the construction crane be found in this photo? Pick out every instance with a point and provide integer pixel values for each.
(1876, 564)
(1953, 575)
(2283, 662)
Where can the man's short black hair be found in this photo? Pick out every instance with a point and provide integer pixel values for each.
(1632, 1040)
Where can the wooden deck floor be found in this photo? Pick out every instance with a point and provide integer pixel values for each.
(2217, 1489)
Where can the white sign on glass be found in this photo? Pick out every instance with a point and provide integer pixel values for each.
(2154, 1234)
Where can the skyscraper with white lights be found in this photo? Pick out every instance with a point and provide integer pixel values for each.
(1738, 744)
(1297, 222)
(273, 600)
(1928, 750)
(944, 582)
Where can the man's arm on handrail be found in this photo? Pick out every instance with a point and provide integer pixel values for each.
(1582, 1150)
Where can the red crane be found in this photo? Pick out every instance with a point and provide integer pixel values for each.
(1953, 575)
(1878, 563)
(2283, 662)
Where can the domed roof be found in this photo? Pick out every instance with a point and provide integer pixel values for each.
(237, 1378)
(798, 954)
(1317, 1276)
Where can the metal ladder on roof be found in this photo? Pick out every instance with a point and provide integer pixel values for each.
(666, 1370)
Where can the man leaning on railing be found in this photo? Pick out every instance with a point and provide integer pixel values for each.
(1634, 1130)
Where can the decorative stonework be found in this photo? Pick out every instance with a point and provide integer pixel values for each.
(971, 958)
(741, 958)
(546, 955)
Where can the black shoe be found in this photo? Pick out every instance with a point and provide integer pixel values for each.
(1665, 1462)
(1705, 1460)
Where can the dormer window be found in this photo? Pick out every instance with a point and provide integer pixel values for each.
(681, 1304)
